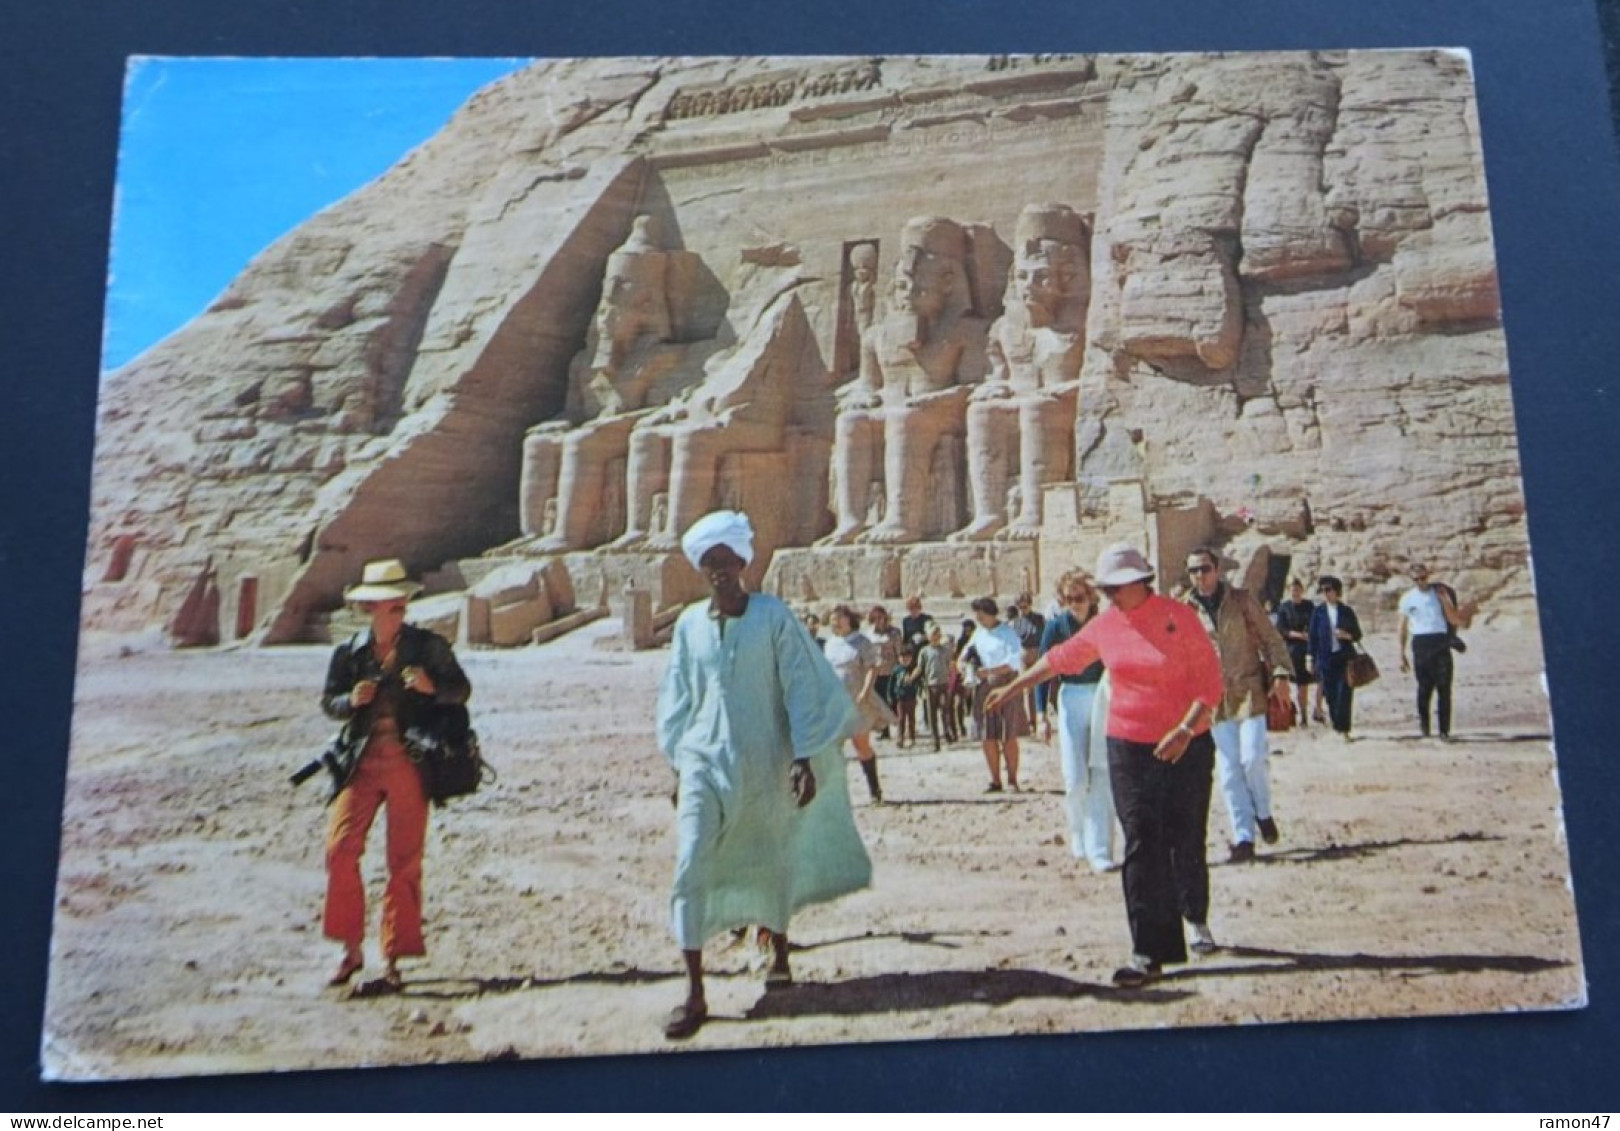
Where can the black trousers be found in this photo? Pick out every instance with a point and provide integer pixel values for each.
(1431, 663)
(880, 688)
(941, 719)
(1164, 810)
(1340, 696)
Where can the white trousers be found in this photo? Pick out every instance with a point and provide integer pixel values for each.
(1242, 768)
(1088, 796)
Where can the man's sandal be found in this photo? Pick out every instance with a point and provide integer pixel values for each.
(684, 1020)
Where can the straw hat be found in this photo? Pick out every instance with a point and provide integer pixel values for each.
(384, 580)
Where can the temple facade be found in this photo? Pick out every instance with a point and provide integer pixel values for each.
(939, 325)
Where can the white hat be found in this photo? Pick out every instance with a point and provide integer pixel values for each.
(1121, 564)
(722, 528)
(384, 580)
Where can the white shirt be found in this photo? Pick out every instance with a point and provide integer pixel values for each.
(1333, 623)
(851, 657)
(998, 647)
(1422, 610)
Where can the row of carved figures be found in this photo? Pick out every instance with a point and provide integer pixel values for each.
(957, 409)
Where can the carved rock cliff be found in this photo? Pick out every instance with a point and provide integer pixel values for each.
(1292, 347)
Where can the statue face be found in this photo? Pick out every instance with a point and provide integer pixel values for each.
(626, 300)
(1048, 276)
(632, 301)
(924, 282)
(863, 263)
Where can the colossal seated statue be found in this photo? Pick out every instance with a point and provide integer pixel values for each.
(909, 398)
(745, 404)
(572, 489)
(1020, 422)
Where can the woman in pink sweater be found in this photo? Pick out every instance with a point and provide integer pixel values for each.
(1166, 684)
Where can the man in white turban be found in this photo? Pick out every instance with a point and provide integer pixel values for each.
(721, 528)
(752, 719)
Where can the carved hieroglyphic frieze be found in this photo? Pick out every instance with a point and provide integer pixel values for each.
(779, 88)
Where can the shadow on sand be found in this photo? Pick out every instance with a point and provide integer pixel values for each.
(940, 939)
(1359, 851)
(939, 989)
(942, 989)
(454, 989)
(1268, 961)
(451, 989)
(1005, 797)
(1458, 739)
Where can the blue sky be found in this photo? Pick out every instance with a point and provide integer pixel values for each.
(220, 157)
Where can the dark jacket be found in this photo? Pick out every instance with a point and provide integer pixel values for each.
(1057, 630)
(1294, 616)
(1322, 633)
(356, 659)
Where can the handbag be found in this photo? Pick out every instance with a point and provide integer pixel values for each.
(1361, 669)
(1279, 715)
(1453, 641)
(445, 748)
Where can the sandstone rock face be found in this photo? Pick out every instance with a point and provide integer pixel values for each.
(1309, 360)
(685, 276)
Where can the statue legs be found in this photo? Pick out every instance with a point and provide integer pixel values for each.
(857, 441)
(542, 464)
(909, 437)
(1046, 440)
(646, 475)
(693, 472)
(992, 448)
(582, 481)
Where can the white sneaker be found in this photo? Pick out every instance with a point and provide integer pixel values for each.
(1201, 942)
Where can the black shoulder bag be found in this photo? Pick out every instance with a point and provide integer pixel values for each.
(445, 748)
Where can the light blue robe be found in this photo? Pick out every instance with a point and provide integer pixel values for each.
(736, 708)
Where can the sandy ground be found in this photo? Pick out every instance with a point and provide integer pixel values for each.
(1412, 878)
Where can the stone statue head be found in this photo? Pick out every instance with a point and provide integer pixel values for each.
(1051, 274)
(930, 276)
(646, 234)
(863, 259)
(634, 302)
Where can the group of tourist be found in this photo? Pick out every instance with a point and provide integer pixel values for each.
(1322, 638)
(893, 672)
(1154, 698)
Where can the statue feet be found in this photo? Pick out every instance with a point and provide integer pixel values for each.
(888, 534)
(979, 530)
(1021, 532)
(843, 536)
(629, 540)
(660, 543)
(550, 544)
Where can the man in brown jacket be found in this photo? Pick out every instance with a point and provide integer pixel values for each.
(1254, 664)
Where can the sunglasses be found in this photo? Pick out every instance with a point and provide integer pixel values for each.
(1200, 570)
